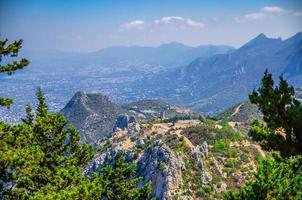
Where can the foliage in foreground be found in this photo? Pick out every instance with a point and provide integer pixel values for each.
(10, 50)
(42, 158)
(282, 114)
(276, 178)
(280, 175)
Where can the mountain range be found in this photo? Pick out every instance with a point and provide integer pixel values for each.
(172, 54)
(220, 81)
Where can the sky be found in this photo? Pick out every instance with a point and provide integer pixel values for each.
(90, 25)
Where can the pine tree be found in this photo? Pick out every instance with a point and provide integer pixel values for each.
(122, 181)
(29, 117)
(277, 177)
(40, 154)
(281, 111)
(42, 108)
(10, 50)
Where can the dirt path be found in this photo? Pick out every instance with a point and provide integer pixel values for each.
(232, 124)
(164, 128)
(246, 143)
(236, 110)
(188, 143)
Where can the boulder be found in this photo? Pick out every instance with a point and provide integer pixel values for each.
(122, 121)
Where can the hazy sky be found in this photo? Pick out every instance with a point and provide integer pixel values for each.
(88, 25)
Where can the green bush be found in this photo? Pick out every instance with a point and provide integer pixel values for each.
(221, 145)
(232, 153)
(276, 178)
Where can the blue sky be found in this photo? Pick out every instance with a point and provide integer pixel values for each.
(89, 25)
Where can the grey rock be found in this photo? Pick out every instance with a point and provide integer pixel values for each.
(122, 121)
(204, 149)
(167, 180)
(140, 141)
(200, 165)
(132, 119)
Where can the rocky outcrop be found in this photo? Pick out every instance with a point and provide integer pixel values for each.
(162, 167)
(122, 122)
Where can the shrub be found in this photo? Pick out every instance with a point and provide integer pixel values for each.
(221, 145)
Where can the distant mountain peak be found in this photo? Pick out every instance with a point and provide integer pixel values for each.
(261, 36)
(173, 44)
(79, 94)
(261, 40)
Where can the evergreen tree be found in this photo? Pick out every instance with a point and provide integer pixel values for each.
(122, 181)
(277, 177)
(282, 114)
(42, 158)
(29, 117)
(38, 154)
(10, 50)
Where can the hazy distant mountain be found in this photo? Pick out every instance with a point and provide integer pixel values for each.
(222, 80)
(172, 54)
(169, 55)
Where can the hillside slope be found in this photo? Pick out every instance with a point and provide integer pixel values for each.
(190, 159)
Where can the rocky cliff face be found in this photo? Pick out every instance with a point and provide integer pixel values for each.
(163, 168)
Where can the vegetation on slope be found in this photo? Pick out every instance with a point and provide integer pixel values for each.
(280, 175)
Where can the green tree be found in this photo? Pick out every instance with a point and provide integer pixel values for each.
(280, 110)
(276, 178)
(42, 158)
(40, 153)
(122, 181)
(10, 50)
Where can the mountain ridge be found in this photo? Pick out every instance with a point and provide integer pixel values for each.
(222, 80)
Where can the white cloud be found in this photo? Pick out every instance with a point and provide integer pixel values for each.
(266, 11)
(273, 9)
(179, 21)
(239, 20)
(254, 16)
(136, 24)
